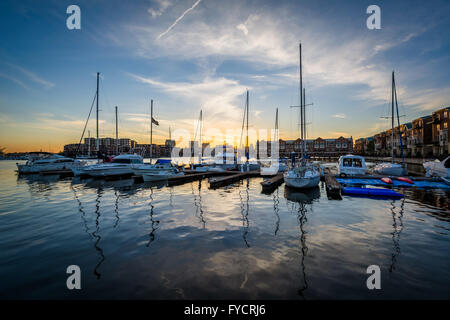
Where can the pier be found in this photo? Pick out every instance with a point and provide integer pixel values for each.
(223, 181)
(333, 187)
(271, 184)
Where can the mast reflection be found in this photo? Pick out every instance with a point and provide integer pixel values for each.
(244, 203)
(198, 204)
(302, 198)
(154, 223)
(397, 225)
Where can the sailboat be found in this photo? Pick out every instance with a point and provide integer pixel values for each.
(248, 165)
(202, 166)
(391, 168)
(306, 175)
(162, 169)
(274, 168)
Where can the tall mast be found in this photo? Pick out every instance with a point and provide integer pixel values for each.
(117, 135)
(304, 121)
(392, 151)
(151, 130)
(246, 139)
(399, 129)
(201, 145)
(98, 147)
(301, 98)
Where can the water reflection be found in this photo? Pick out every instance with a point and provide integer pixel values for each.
(276, 210)
(302, 199)
(198, 203)
(154, 223)
(397, 218)
(96, 233)
(244, 198)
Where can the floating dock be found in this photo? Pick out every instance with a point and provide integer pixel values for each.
(271, 184)
(333, 186)
(223, 181)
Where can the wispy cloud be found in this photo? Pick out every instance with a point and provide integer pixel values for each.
(339, 116)
(161, 7)
(179, 19)
(31, 76)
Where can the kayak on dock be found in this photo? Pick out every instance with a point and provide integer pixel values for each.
(387, 180)
(374, 192)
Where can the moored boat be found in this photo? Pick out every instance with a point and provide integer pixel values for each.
(53, 162)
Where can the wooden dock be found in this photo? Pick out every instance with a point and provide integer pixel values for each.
(223, 181)
(272, 183)
(333, 187)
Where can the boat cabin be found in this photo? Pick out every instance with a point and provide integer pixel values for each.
(352, 165)
(128, 158)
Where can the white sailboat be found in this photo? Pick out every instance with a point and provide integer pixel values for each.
(305, 175)
(162, 169)
(277, 166)
(121, 165)
(391, 168)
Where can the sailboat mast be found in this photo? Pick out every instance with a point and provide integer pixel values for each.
(201, 145)
(304, 121)
(301, 98)
(246, 139)
(399, 129)
(151, 130)
(97, 143)
(392, 151)
(117, 135)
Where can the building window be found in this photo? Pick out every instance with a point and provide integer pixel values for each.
(445, 114)
(445, 125)
(344, 146)
(338, 145)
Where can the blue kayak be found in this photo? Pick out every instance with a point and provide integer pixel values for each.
(375, 192)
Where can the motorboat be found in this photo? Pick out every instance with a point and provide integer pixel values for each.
(350, 165)
(161, 165)
(160, 175)
(438, 168)
(274, 169)
(120, 165)
(52, 162)
(390, 169)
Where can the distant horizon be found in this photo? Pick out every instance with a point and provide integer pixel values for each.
(203, 55)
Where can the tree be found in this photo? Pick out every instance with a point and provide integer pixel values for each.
(2, 151)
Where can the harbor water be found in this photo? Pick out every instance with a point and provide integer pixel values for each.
(142, 241)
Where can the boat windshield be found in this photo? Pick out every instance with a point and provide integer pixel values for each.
(121, 161)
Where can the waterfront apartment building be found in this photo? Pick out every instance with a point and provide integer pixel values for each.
(314, 147)
(426, 136)
(109, 146)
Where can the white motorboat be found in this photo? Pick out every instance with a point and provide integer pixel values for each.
(350, 165)
(121, 165)
(160, 165)
(438, 168)
(53, 162)
(391, 168)
(274, 169)
(160, 175)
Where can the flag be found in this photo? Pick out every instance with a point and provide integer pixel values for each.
(155, 122)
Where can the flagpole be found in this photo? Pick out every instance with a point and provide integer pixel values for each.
(151, 131)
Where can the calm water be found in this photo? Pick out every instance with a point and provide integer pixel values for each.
(189, 242)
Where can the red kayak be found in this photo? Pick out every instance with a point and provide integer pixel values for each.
(386, 180)
(405, 180)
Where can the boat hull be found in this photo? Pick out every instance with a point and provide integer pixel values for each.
(23, 168)
(390, 170)
(301, 182)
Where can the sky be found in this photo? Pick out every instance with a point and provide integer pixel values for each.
(192, 55)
